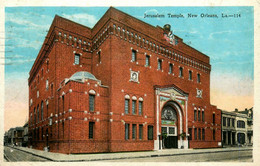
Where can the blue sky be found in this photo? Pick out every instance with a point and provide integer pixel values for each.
(227, 41)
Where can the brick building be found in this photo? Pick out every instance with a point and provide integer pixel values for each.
(123, 85)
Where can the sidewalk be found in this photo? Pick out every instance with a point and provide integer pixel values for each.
(58, 157)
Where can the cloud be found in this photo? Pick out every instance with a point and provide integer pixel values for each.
(213, 35)
(82, 18)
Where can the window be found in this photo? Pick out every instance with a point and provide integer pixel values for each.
(34, 115)
(150, 132)
(181, 72)
(47, 64)
(164, 130)
(91, 130)
(198, 115)
(198, 78)
(203, 134)
(126, 106)
(140, 131)
(133, 107)
(47, 84)
(126, 131)
(195, 115)
(190, 75)
(214, 134)
(170, 68)
(147, 60)
(171, 130)
(52, 89)
(195, 133)
(233, 122)
(140, 109)
(159, 64)
(42, 110)
(228, 121)
(91, 102)
(99, 56)
(203, 116)
(134, 131)
(213, 119)
(199, 134)
(63, 103)
(240, 124)
(38, 113)
(224, 121)
(76, 60)
(190, 132)
(62, 129)
(133, 55)
(47, 109)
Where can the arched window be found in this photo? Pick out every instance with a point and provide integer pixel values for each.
(190, 75)
(47, 84)
(42, 110)
(198, 78)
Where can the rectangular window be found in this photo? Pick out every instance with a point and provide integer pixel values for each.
(159, 64)
(199, 134)
(147, 60)
(134, 131)
(228, 121)
(233, 122)
(195, 134)
(126, 131)
(213, 119)
(76, 60)
(224, 121)
(140, 131)
(190, 132)
(181, 72)
(164, 130)
(170, 68)
(91, 102)
(198, 78)
(91, 130)
(195, 115)
(133, 107)
(198, 115)
(126, 106)
(203, 116)
(203, 134)
(190, 75)
(99, 56)
(150, 132)
(171, 130)
(214, 134)
(140, 105)
(133, 55)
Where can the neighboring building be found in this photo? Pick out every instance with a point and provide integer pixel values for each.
(120, 86)
(237, 128)
(25, 135)
(15, 136)
(6, 138)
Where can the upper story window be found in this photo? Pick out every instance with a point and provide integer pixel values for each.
(224, 121)
(133, 55)
(233, 122)
(47, 84)
(240, 124)
(195, 115)
(170, 68)
(99, 56)
(42, 110)
(181, 72)
(198, 115)
(91, 102)
(213, 118)
(203, 116)
(76, 59)
(198, 78)
(159, 64)
(140, 105)
(133, 107)
(190, 75)
(126, 106)
(228, 121)
(147, 60)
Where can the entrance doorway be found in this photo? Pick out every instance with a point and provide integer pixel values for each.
(169, 127)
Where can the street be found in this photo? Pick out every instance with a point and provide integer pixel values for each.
(236, 156)
(229, 155)
(12, 154)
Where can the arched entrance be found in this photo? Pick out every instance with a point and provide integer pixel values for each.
(169, 127)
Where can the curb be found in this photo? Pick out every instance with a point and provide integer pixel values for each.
(121, 158)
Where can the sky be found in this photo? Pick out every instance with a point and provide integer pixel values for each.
(228, 42)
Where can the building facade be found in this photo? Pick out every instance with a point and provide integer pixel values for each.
(123, 85)
(237, 128)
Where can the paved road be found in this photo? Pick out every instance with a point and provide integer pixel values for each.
(235, 156)
(17, 155)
